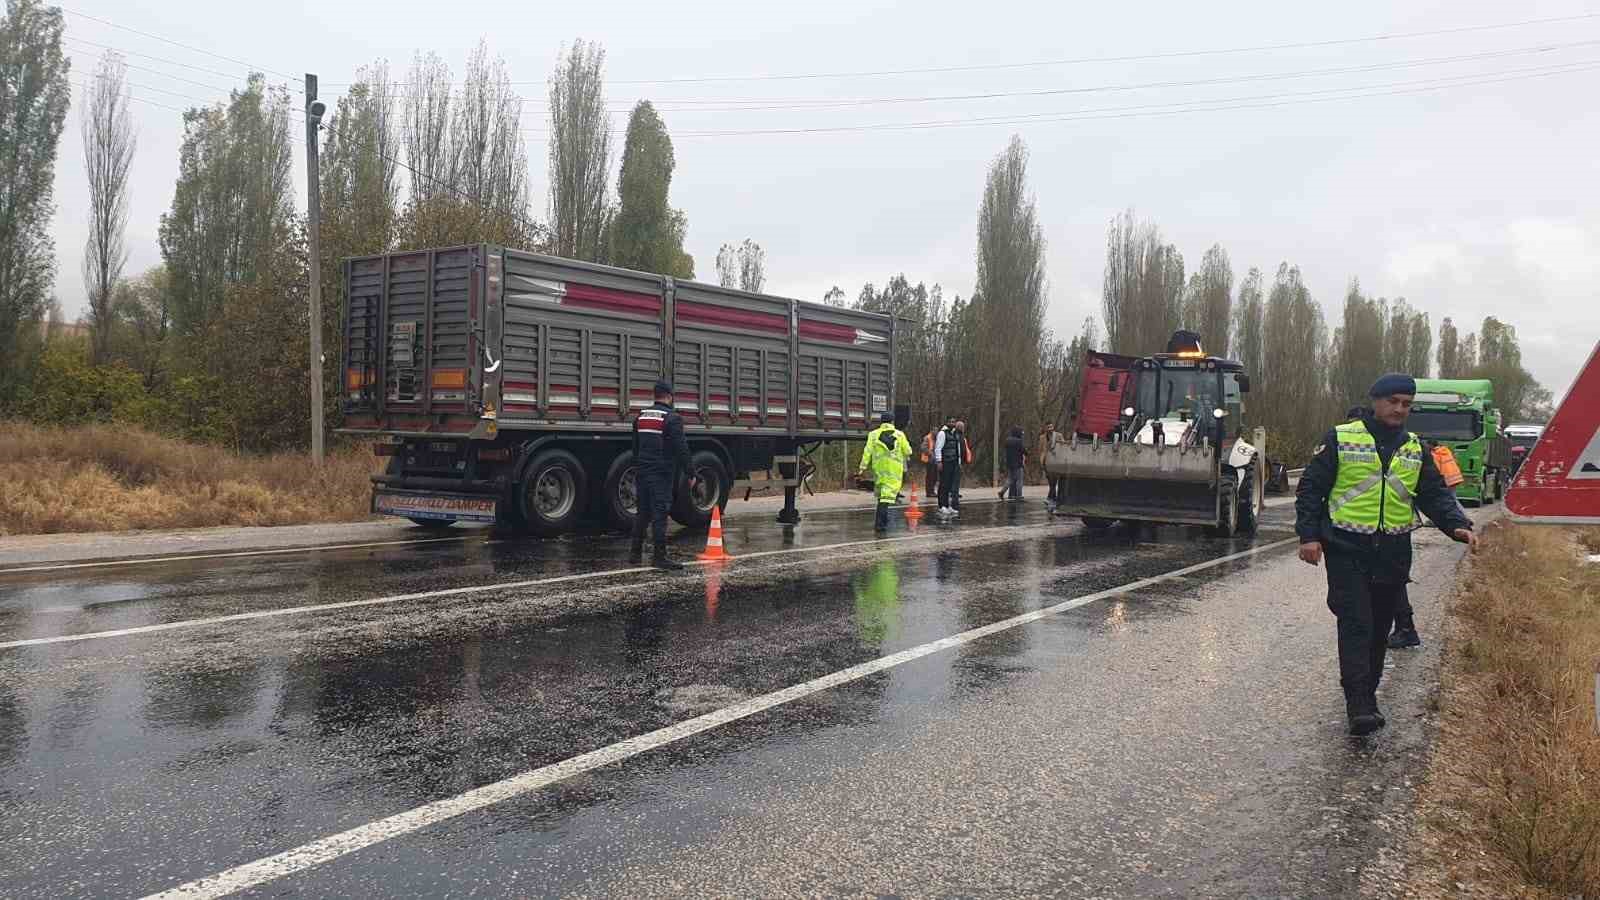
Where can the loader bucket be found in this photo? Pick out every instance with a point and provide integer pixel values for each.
(1136, 481)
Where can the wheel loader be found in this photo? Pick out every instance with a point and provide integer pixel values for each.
(1171, 448)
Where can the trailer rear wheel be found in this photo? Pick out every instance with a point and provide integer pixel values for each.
(620, 492)
(553, 493)
(692, 508)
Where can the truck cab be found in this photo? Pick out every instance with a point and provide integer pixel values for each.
(1459, 413)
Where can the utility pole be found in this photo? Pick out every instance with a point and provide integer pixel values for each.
(314, 111)
(996, 434)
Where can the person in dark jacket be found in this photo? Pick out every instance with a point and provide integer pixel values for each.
(661, 451)
(950, 449)
(1016, 458)
(1357, 504)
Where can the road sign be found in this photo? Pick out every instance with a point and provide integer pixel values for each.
(1560, 482)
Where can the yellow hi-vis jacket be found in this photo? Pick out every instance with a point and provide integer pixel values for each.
(887, 459)
(1366, 498)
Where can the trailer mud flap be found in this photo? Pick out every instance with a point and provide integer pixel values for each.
(438, 507)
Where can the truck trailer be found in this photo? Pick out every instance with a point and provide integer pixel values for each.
(1460, 414)
(502, 384)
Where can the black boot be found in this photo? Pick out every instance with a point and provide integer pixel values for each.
(636, 553)
(1364, 717)
(1404, 637)
(663, 562)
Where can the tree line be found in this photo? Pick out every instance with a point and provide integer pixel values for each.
(213, 343)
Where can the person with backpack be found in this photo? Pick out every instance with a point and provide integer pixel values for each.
(886, 455)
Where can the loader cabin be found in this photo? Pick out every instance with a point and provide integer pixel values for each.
(1187, 388)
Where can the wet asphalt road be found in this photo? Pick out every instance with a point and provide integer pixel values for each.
(1182, 739)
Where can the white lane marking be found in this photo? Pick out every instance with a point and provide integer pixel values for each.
(146, 560)
(334, 846)
(452, 592)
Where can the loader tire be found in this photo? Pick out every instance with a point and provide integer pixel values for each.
(1229, 526)
(1248, 520)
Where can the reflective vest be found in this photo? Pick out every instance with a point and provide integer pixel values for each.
(927, 446)
(1446, 461)
(886, 454)
(1367, 498)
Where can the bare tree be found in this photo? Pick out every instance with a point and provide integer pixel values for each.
(1449, 348)
(489, 161)
(108, 145)
(1250, 323)
(427, 130)
(1208, 308)
(743, 267)
(580, 153)
(1143, 294)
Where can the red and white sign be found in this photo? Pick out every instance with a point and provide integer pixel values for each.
(1560, 482)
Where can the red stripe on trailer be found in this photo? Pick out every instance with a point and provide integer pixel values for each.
(705, 313)
(519, 385)
(630, 303)
(827, 331)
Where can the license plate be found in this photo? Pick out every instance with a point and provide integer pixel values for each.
(422, 506)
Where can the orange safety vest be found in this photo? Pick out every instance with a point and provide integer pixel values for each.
(927, 446)
(1446, 461)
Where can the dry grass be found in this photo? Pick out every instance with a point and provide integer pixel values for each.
(109, 478)
(1513, 795)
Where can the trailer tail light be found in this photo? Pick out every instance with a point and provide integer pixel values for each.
(449, 378)
(449, 384)
(495, 454)
(358, 380)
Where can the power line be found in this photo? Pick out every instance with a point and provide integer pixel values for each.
(1140, 57)
(771, 104)
(190, 47)
(209, 87)
(1146, 110)
(1087, 60)
(1177, 106)
(1198, 82)
(170, 62)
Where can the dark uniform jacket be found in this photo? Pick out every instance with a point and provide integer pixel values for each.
(659, 444)
(1389, 555)
(1016, 450)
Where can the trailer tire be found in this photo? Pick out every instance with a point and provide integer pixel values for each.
(553, 494)
(692, 509)
(619, 494)
(1098, 523)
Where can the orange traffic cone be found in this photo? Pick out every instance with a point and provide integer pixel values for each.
(913, 511)
(714, 549)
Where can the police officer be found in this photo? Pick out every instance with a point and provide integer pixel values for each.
(660, 451)
(886, 454)
(1358, 502)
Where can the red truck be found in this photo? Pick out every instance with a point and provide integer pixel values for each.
(503, 384)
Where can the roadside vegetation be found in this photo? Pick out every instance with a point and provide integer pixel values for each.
(1512, 800)
(112, 478)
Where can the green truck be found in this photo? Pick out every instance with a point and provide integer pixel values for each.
(1460, 414)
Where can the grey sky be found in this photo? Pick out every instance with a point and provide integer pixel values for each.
(1469, 201)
